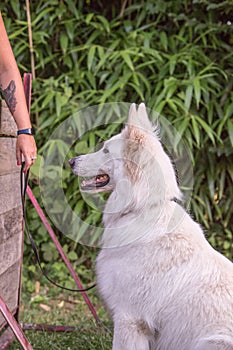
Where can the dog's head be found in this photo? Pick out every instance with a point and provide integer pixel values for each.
(99, 169)
(134, 158)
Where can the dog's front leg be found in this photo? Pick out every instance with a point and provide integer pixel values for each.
(131, 335)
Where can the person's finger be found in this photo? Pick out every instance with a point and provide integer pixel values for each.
(18, 154)
(28, 162)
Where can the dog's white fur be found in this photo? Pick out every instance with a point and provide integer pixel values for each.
(165, 286)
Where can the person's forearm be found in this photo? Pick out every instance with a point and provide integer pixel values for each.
(11, 83)
(13, 93)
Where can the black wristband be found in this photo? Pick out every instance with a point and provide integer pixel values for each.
(29, 131)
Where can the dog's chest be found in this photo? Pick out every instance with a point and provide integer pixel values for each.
(114, 271)
(123, 278)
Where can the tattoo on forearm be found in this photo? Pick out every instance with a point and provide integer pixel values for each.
(9, 96)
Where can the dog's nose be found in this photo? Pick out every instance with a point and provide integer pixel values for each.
(72, 162)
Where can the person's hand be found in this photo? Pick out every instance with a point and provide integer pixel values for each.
(25, 150)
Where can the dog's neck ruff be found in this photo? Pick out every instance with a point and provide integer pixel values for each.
(137, 227)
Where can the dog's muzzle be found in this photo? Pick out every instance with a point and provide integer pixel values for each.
(94, 182)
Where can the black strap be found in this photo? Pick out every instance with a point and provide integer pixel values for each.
(28, 131)
(23, 185)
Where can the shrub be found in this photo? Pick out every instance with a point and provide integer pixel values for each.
(174, 55)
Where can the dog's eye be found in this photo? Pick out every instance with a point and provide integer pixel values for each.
(105, 150)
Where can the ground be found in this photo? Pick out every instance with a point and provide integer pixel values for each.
(49, 307)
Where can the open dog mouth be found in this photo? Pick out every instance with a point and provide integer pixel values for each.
(95, 182)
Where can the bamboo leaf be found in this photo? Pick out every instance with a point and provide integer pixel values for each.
(207, 129)
(180, 131)
(172, 105)
(64, 42)
(90, 57)
(164, 40)
(172, 64)
(222, 183)
(138, 90)
(230, 130)
(89, 18)
(197, 91)
(196, 131)
(105, 23)
(127, 59)
(188, 97)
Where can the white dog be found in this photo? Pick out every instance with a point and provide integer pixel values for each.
(165, 286)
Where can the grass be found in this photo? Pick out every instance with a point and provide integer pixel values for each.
(46, 306)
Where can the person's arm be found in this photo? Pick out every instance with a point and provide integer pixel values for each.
(13, 93)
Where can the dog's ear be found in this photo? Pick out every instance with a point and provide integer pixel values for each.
(132, 114)
(138, 123)
(139, 118)
(142, 117)
(136, 135)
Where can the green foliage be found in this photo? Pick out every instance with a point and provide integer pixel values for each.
(174, 55)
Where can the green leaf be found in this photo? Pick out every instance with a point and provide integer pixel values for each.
(58, 104)
(64, 42)
(159, 108)
(105, 23)
(172, 105)
(222, 183)
(207, 129)
(230, 130)
(81, 148)
(172, 64)
(89, 18)
(197, 91)
(90, 57)
(163, 39)
(79, 206)
(188, 97)
(138, 91)
(72, 256)
(127, 59)
(47, 99)
(196, 131)
(180, 131)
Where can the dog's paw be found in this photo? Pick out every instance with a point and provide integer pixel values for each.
(215, 342)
